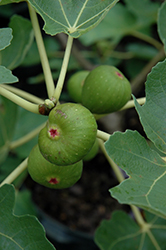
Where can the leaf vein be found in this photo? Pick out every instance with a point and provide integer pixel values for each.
(49, 17)
(154, 182)
(10, 238)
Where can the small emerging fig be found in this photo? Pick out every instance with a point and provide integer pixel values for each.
(75, 84)
(69, 134)
(93, 152)
(105, 90)
(51, 175)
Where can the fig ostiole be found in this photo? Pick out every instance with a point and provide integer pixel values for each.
(105, 90)
(75, 84)
(51, 175)
(69, 134)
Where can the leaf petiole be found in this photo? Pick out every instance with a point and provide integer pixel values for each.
(63, 71)
(121, 178)
(15, 173)
(42, 52)
(23, 94)
(147, 39)
(19, 101)
(26, 138)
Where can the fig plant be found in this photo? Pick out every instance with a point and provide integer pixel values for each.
(66, 132)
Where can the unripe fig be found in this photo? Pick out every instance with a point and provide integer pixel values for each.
(51, 175)
(69, 134)
(75, 83)
(105, 90)
(93, 152)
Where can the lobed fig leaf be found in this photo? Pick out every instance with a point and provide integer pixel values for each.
(69, 134)
(51, 175)
(105, 90)
(75, 84)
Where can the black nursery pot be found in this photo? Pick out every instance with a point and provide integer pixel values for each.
(64, 238)
(70, 216)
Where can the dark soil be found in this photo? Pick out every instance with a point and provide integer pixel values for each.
(83, 206)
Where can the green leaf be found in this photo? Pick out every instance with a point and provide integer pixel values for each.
(6, 76)
(71, 17)
(8, 118)
(152, 113)
(142, 51)
(23, 36)
(5, 37)
(8, 166)
(32, 57)
(146, 184)
(161, 23)
(26, 122)
(144, 10)
(3, 2)
(118, 22)
(24, 232)
(121, 232)
(23, 203)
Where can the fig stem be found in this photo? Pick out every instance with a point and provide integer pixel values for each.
(102, 135)
(121, 178)
(19, 101)
(23, 94)
(15, 173)
(130, 104)
(42, 52)
(64, 66)
(26, 138)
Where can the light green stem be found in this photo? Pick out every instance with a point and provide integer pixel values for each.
(115, 168)
(19, 101)
(121, 178)
(42, 52)
(130, 104)
(15, 173)
(147, 39)
(102, 135)
(26, 138)
(62, 75)
(23, 94)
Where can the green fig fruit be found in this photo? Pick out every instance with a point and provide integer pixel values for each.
(93, 152)
(75, 83)
(51, 175)
(69, 134)
(105, 90)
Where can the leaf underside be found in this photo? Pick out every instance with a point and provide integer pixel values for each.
(71, 17)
